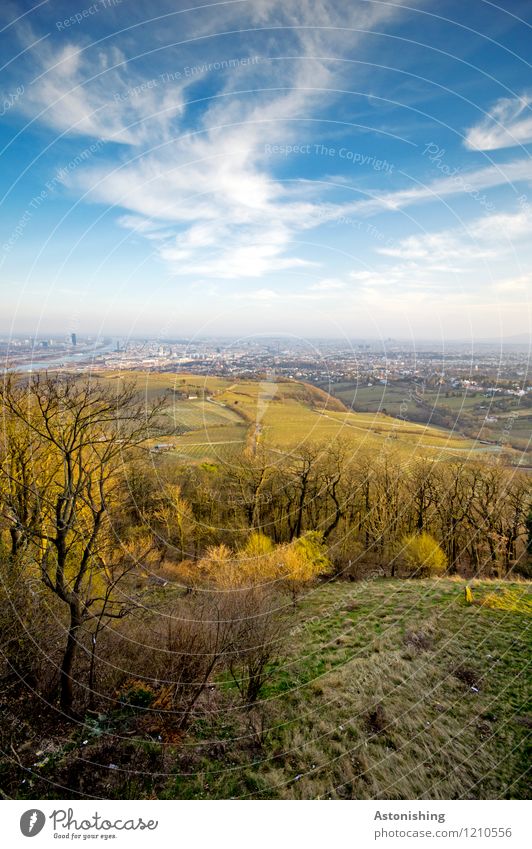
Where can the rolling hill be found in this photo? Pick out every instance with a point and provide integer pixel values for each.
(209, 416)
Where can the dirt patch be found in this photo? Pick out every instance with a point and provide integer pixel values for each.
(419, 640)
(376, 720)
(467, 676)
(524, 720)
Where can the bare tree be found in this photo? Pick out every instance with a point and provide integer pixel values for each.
(80, 431)
(200, 636)
(257, 643)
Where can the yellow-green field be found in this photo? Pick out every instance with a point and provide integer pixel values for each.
(509, 420)
(218, 412)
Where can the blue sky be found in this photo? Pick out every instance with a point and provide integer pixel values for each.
(319, 167)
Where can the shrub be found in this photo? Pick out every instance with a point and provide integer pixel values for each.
(259, 563)
(258, 635)
(258, 545)
(304, 560)
(423, 556)
(136, 695)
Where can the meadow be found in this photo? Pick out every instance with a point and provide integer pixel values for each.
(284, 416)
(457, 412)
(385, 689)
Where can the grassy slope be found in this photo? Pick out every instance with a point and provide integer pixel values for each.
(374, 701)
(290, 424)
(373, 698)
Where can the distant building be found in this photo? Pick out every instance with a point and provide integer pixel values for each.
(74, 339)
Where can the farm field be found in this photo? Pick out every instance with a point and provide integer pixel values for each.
(520, 428)
(493, 419)
(206, 413)
(296, 425)
(212, 443)
(391, 396)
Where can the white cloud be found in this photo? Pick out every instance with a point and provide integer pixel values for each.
(455, 265)
(507, 124)
(515, 285)
(263, 295)
(197, 184)
(312, 293)
(94, 93)
(486, 238)
(328, 284)
(470, 183)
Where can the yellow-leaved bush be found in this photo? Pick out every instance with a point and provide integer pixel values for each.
(422, 555)
(261, 562)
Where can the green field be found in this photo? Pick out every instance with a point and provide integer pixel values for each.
(457, 412)
(283, 416)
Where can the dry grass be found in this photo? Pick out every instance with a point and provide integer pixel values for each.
(390, 689)
(410, 694)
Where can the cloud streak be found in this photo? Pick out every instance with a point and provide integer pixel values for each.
(507, 124)
(191, 177)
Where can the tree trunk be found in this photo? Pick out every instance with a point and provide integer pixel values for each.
(366, 517)
(92, 670)
(66, 689)
(453, 566)
(297, 531)
(15, 540)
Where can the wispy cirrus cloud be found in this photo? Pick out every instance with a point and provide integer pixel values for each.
(486, 238)
(507, 124)
(81, 91)
(190, 176)
(460, 182)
